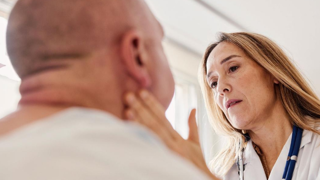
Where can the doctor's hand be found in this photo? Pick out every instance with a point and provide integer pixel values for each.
(143, 108)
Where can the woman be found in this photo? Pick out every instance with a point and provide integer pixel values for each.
(257, 99)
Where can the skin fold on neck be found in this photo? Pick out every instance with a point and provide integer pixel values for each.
(49, 92)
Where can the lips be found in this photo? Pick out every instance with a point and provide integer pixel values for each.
(232, 102)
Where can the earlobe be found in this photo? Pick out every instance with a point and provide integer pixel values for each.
(131, 52)
(276, 81)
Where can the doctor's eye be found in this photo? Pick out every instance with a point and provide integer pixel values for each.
(233, 68)
(213, 84)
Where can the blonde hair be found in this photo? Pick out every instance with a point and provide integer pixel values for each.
(298, 99)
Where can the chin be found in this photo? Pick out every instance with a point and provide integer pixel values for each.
(166, 102)
(164, 99)
(239, 123)
(165, 96)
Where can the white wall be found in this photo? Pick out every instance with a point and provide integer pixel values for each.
(9, 81)
(9, 95)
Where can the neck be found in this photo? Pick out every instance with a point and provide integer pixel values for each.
(272, 135)
(271, 139)
(82, 84)
(64, 89)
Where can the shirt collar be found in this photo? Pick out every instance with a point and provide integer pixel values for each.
(306, 138)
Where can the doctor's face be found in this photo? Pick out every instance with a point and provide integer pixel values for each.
(243, 90)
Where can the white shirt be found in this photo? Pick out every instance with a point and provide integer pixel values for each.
(84, 144)
(306, 168)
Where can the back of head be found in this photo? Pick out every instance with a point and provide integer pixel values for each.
(121, 37)
(41, 31)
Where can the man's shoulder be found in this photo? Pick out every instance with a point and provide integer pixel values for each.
(79, 124)
(90, 143)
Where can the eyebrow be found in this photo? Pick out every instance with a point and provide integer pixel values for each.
(228, 58)
(223, 61)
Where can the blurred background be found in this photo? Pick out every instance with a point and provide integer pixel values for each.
(190, 26)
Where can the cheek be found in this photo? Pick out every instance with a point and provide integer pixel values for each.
(219, 100)
(258, 94)
(164, 89)
(163, 86)
(249, 85)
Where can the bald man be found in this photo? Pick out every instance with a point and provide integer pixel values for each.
(76, 58)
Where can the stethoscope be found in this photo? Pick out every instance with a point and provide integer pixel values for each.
(292, 155)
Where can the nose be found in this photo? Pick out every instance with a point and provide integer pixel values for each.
(223, 88)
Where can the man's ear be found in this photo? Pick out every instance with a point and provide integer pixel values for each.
(131, 52)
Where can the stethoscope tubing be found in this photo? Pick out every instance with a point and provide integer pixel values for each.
(292, 155)
(293, 137)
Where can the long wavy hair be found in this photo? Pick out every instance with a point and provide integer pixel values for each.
(297, 97)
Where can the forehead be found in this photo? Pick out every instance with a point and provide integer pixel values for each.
(222, 51)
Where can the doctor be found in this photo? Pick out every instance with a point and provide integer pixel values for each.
(257, 99)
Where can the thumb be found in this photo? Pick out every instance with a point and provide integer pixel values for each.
(193, 128)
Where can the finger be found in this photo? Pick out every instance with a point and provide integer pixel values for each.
(193, 128)
(149, 109)
(129, 115)
(158, 110)
(144, 116)
(155, 107)
(156, 128)
(140, 113)
(139, 110)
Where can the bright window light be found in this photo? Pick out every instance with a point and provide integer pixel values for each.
(7, 70)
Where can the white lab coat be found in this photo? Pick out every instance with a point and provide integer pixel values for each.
(307, 166)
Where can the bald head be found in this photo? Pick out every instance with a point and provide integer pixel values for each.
(42, 31)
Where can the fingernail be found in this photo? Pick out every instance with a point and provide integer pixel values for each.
(143, 94)
(130, 115)
(130, 98)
